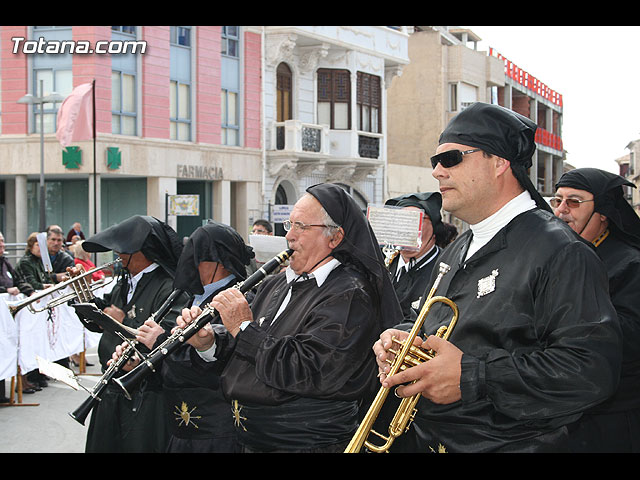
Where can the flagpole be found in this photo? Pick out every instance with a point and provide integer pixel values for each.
(95, 174)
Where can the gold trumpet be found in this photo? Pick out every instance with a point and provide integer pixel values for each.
(407, 356)
(82, 289)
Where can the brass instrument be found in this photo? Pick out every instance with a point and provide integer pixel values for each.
(82, 290)
(390, 252)
(407, 356)
(80, 414)
(148, 364)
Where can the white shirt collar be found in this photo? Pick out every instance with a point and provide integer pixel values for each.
(407, 265)
(133, 281)
(486, 229)
(320, 273)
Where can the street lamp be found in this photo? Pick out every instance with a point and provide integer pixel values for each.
(41, 100)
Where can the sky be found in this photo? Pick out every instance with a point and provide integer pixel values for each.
(597, 72)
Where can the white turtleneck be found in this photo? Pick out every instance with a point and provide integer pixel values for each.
(486, 229)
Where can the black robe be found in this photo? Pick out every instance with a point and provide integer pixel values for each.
(199, 417)
(136, 425)
(300, 380)
(540, 346)
(413, 283)
(614, 425)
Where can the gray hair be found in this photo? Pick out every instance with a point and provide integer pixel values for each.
(54, 230)
(326, 219)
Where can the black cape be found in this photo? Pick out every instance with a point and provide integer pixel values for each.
(140, 233)
(428, 202)
(614, 425)
(622, 262)
(539, 350)
(299, 381)
(137, 425)
(360, 246)
(199, 416)
(213, 242)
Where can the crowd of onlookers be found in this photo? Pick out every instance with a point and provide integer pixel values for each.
(30, 275)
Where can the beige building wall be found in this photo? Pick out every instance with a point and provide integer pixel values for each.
(633, 173)
(420, 105)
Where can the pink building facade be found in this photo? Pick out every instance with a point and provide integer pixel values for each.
(180, 116)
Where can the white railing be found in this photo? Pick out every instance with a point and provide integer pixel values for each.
(296, 136)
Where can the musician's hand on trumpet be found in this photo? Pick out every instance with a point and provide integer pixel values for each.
(204, 338)
(381, 349)
(438, 379)
(74, 271)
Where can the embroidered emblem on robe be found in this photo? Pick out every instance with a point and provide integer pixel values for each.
(487, 284)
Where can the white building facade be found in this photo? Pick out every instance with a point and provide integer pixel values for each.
(325, 107)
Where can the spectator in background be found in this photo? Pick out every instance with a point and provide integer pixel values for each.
(11, 283)
(30, 267)
(76, 229)
(60, 259)
(261, 227)
(82, 257)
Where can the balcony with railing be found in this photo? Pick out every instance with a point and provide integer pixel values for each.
(312, 140)
(301, 138)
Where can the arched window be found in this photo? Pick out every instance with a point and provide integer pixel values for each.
(284, 90)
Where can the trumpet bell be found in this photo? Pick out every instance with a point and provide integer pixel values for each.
(81, 289)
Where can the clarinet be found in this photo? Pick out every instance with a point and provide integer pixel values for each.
(130, 381)
(80, 414)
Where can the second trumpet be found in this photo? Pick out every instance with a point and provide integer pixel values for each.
(405, 357)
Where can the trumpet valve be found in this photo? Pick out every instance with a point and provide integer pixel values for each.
(415, 356)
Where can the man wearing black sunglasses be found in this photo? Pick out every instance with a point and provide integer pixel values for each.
(531, 351)
(592, 202)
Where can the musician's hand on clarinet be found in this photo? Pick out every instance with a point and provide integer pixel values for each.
(381, 349)
(437, 379)
(148, 332)
(129, 364)
(115, 312)
(204, 338)
(233, 308)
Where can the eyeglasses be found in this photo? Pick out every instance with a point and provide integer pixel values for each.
(571, 202)
(450, 158)
(301, 227)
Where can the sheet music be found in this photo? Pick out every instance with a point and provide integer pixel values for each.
(58, 372)
(267, 246)
(44, 251)
(395, 226)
